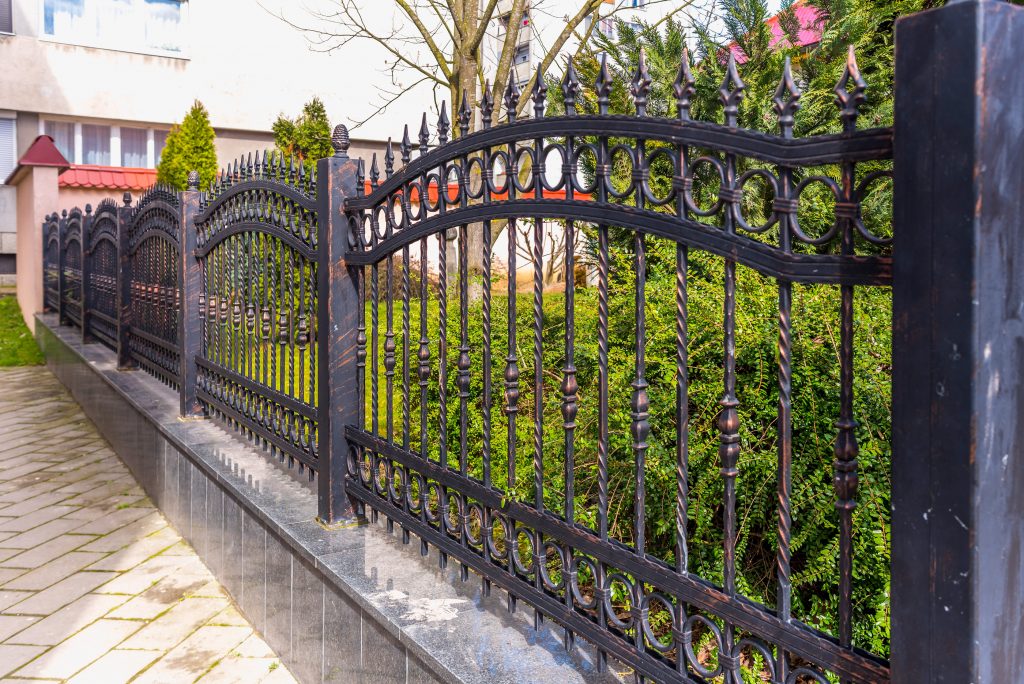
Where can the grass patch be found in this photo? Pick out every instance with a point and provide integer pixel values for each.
(17, 346)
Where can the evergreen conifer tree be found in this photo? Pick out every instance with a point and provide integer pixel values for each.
(307, 137)
(189, 147)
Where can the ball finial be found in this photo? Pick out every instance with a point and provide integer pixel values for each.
(340, 141)
(127, 199)
(193, 180)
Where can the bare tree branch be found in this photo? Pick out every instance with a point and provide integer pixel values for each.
(508, 48)
(442, 61)
(485, 19)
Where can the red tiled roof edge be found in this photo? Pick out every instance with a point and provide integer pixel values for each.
(42, 152)
(107, 177)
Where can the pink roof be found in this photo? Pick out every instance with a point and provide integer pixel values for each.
(108, 177)
(810, 30)
(42, 152)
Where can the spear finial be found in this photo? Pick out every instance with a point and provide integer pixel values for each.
(850, 92)
(731, 92)
(787, 101)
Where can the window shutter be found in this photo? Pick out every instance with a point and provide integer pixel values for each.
(7, 143)
(5, 17)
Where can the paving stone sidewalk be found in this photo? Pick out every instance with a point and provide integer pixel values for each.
(95, 585)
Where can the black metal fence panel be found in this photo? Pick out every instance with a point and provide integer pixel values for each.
(154, 244)
(588, 178)
(257, 249)
(51, 263)
(71, 266)
(101, 260)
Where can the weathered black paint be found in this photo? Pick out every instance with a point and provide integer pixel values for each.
(958, 347)
(189, 313)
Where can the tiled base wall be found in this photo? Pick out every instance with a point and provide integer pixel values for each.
(320, 634)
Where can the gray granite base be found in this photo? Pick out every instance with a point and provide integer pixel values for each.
(353, 606)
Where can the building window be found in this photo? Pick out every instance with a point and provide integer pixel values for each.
(159, 141)
(522, 55)
(6, 25)
(63, 134)
(133, 147)
(639, 4)
(96, 145)
(8, 143)
(135, 25)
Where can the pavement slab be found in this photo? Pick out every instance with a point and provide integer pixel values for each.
(96, 587)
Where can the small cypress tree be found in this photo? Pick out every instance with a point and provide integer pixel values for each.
(307, 137)
(189, 147)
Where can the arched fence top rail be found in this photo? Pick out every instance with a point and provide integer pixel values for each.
(102, 226)
(601, 169)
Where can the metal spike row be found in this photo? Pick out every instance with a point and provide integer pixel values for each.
(443, 125)
(406, 146)
(787, 101)
(731, 92)
(465, 114)
(683, 87)
(640, 88)
(511, 102)
(570, 89)
(850, 92)
(424, 136)
(487, 106)
(539, 94)
(603, 85)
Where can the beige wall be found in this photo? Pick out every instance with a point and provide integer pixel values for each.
(37, 197)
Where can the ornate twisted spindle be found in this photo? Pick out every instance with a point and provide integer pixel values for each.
(463, 380)
(442, 379)
(424, 351)
(406, 313)
(850, 95)
(786, 103)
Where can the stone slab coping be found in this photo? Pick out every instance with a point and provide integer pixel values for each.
(457, 631)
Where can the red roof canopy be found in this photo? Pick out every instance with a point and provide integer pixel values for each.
(42, 152)
(107, 177)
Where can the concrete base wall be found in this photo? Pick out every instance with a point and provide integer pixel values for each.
(350, 606)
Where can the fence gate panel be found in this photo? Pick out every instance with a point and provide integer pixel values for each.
(71, 266)
(154, 244)
(257, 247)
(51, 263)
(102, 268)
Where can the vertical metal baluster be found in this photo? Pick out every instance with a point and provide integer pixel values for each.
(731, 93)
(684, 89)
(424, 380)
(405, 384)
(374, 343)
(849, 95)
(289, 348)
(389, 343)
(538, 400)
(463, 379)
(786, 101)
(442, 399)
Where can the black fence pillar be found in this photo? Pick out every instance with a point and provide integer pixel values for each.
(124, 284)
(61, 280)
(86, 268)
(190, 286)
(337, 323)
(958, 346)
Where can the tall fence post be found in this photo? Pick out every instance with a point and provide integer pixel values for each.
(86, 232)
(190, 285)
(958, 346)
(46, 307)
(61, 282)
(124, 284)
(338, 304)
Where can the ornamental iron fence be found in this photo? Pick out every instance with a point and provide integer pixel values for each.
(393, 331)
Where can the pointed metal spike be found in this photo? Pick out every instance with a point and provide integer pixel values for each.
(540, 93)
(850, 92)
(640, 88)
(465, 114)
(512, 95)
(374, 172)
(249, 167)
(787, 100)
(406, 146)
(389, 159)
(443, 124)
(570, 88)
(731, 92)
(487, 106)
(603, 85)
(360, 177)
(424, 135)
(683, 87)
